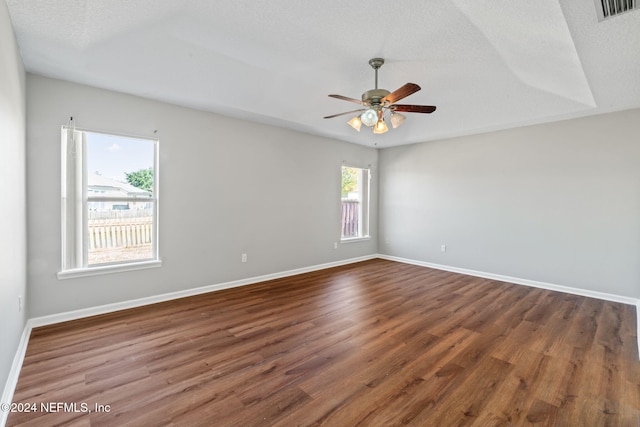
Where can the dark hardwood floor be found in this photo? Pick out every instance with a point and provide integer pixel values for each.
(376, 343)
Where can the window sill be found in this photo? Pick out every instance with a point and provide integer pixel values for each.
(107, 269)
(355, 239)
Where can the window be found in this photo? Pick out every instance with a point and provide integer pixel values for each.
(109, 202)
(355, 203)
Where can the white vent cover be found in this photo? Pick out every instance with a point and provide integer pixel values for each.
(609, 8)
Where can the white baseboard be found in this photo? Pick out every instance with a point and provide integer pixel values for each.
(532, 283)
(108, 308)
(518, 281)
(14, 373)
(18, 359)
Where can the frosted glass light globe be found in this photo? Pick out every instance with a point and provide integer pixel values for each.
(369, 117)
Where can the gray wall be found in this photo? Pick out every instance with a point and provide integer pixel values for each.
(13, 239)
(226, 187)
(556, 203)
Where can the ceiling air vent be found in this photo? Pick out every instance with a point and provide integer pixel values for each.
(609, 8)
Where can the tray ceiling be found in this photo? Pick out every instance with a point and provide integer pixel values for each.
(486, 65)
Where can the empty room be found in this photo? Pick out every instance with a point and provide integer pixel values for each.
(287, 213)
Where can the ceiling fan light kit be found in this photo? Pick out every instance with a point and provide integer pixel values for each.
(396, 119)
(369, 117)
(378, 101)
(355, 123)
(380, 127)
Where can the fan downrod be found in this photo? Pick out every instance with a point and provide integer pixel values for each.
(373, 97)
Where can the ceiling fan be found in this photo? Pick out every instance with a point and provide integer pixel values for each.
(378, 101)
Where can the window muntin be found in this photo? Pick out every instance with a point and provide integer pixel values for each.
(109, 199)
(354, 202)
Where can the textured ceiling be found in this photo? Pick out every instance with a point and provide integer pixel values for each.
(486, 65)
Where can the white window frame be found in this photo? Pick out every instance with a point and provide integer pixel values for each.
(74, 207)
(364, 191)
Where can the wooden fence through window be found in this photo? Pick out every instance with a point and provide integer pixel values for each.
(119, 232)
(350, 218)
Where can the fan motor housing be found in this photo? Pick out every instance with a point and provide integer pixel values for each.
(374, 96)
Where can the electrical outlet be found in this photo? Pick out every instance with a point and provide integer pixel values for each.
(244, 257)
(443, 248)
(335, 245)
(19, 303)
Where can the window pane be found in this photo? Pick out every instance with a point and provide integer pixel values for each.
(119, 231)
(350, 178)
(109, 205)
(352, 202)
(119, 166)
(350, 218)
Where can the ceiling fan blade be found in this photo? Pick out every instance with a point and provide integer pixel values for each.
(400, 93)
(342, 114)
(346, 98)
(407, 108)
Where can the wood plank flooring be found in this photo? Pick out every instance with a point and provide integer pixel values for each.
(376, 343)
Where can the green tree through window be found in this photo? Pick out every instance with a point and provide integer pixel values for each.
(142, 178)
(349, 180)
